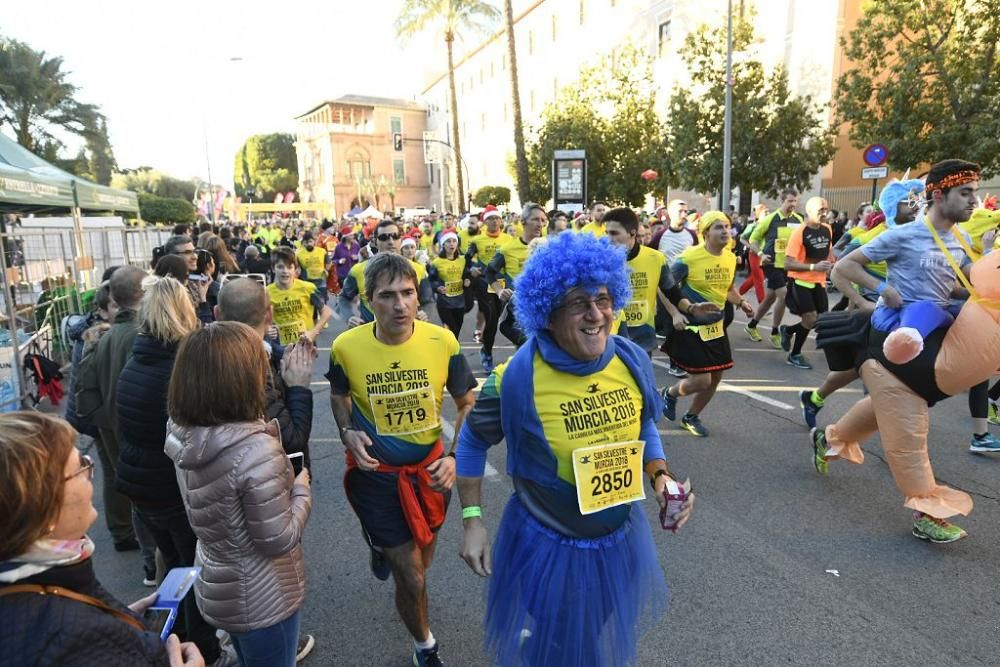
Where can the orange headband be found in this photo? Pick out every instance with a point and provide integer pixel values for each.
(954, 180)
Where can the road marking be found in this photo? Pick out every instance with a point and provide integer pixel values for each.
(723, 386)
(784, 388)
(477, 346)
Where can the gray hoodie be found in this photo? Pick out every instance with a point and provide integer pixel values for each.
(249, 517)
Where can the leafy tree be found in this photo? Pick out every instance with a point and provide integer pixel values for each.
(165, 209)
(925, 82)
(36, 96)
(452, 17)
(497, 195)
(520, 155)
(155, 182)
(778, 139)
(267, 162)
(610, 114)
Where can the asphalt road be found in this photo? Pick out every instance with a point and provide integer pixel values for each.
(777, 565)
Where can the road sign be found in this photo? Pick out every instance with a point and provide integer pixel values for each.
(875, 155)
(432, 149)
(874, 172)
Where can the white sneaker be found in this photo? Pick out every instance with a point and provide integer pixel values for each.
(227, 658)
(305, 647)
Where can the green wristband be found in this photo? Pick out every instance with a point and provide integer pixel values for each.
(472, 512)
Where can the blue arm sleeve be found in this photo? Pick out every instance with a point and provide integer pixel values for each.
(654, 445)
(470, 458)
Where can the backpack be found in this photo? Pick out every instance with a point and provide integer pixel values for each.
(47, 378)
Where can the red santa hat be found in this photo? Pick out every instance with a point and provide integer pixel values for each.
(490, 212)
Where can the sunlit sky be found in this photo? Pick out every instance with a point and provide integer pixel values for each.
(163, 73)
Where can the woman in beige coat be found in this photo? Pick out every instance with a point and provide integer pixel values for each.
(246, 506)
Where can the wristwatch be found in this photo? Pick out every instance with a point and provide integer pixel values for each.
(658, 473)
(345, 429)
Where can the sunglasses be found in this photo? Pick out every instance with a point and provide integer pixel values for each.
(86, 466)
(386, 237)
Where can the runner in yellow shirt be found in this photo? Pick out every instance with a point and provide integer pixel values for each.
(705, 273)
(596, 224)
(294, 301)
(507, 265)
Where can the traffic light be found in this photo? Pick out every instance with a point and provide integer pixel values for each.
(397, 141)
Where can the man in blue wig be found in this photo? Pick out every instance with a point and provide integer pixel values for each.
(574, 573)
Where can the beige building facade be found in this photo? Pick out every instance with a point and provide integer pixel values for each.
(350, 154)
(556, 38)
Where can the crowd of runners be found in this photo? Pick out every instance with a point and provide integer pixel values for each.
(199, 473)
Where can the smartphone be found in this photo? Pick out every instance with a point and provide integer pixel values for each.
(298, 462)
(162, 614)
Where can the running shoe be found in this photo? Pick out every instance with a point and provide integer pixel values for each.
(752, 333)
(994, 414)
(798, 361)
(809, 409)
(305, 647)
(786, 338)
(775, 340)
(938, 531)
(676, 371)
(819, 450)
(987, 444)
(486, 361)
(693, 424)
(669, 405)
(427, 657)
(148, 576)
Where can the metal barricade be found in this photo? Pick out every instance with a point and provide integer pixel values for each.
(38, 293)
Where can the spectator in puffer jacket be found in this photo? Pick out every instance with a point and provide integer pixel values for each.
(145, 474)
(46, 509)
(289, 398)
(244, 503)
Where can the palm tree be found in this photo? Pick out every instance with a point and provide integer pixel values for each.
(520, 158)
(36, 94)
(453, 17)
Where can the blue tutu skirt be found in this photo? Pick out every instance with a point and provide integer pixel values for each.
(557, 601)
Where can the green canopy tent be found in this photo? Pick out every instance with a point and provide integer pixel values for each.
(50, 185)
(29, 184)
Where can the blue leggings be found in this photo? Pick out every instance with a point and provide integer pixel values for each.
(273, 646)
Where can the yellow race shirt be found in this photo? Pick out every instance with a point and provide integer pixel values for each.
(515, 254)
(486, 245)
(646, 268)
(579, 411)
(313, 263)
(449, 273)
(396, 390)
(704, 276)
(878, 269)
(293, 309)
(595, 228)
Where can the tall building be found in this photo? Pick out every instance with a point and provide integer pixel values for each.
(357, 150)
(556, 38)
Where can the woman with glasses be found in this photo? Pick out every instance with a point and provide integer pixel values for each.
(574, 576)
(53, 610)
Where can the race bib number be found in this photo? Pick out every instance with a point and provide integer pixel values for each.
(404, 413)
(635, 312)
(709, 332)
(502, 283)
(780, 244)
(453, 288)
(289, 334)
(608, 475)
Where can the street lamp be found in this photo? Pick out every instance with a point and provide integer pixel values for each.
(727, 136)
(208, 161)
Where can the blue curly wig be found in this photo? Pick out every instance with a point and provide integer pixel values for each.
(566, 261)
